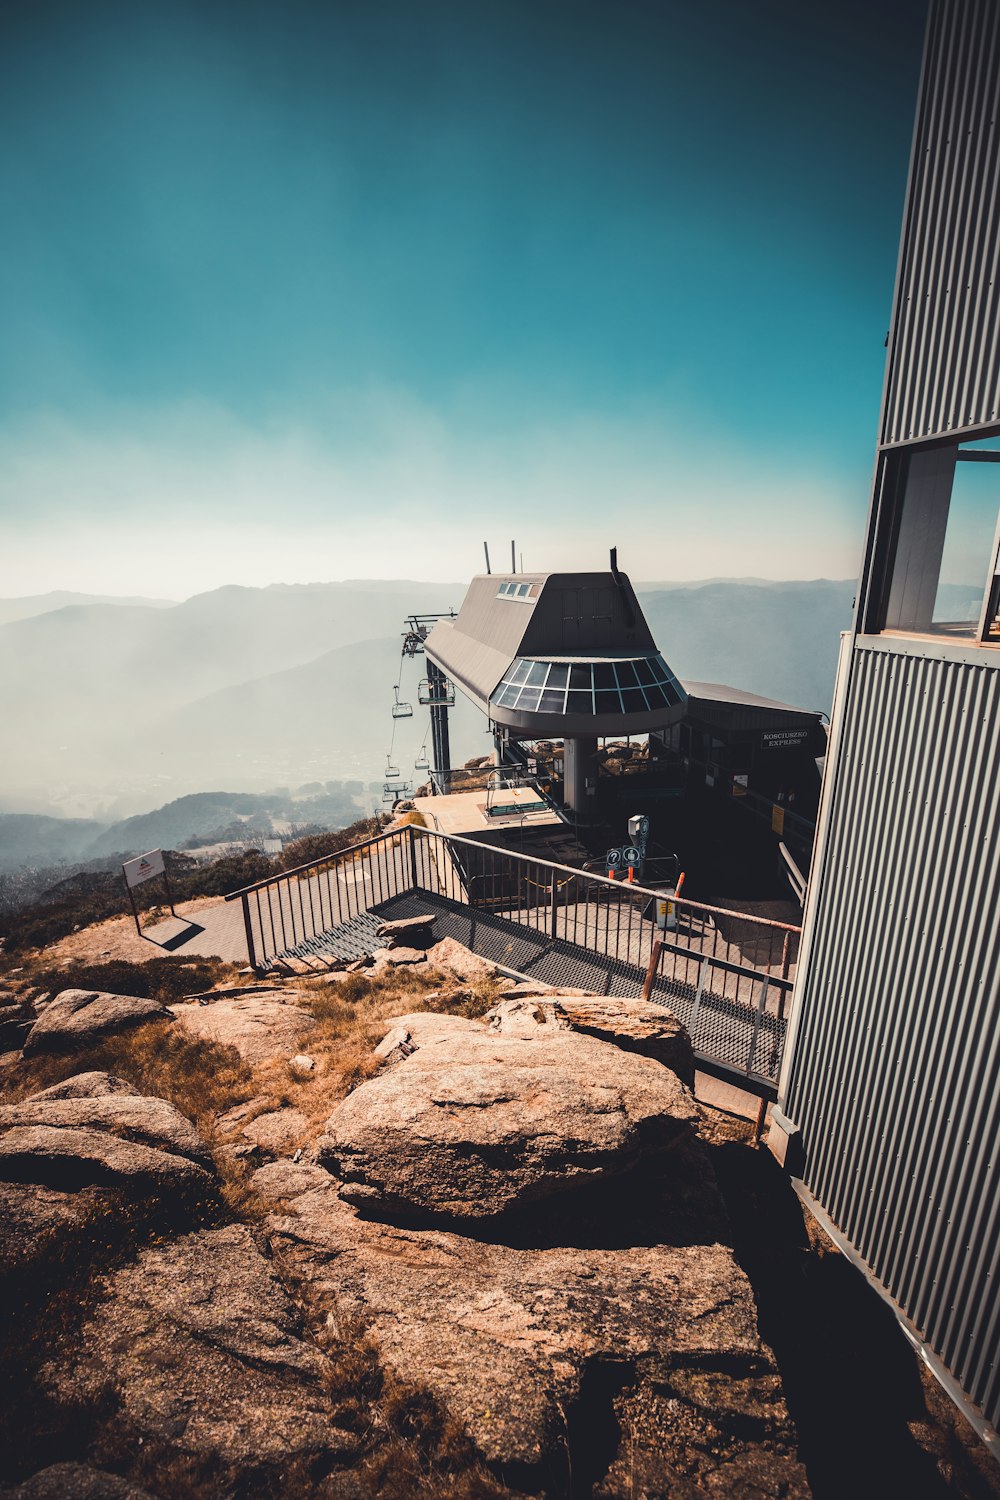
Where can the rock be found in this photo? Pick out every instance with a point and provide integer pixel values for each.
(399, 957)
(408, 932)
(148, 1122)
(633, 1025)
(86, 1086)
(302, 1065)
(474, 1124)
(395, 1046)
(450, 954)
(15, 1022)
(527, 1347)
(258, 1027)
(37, 1224)
(240, 1114)
(75, 1482)
(69, 1159)
(78, 1018)
(205, 1353)
(279, 1132)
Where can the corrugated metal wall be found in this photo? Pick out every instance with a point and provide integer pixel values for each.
(944, 371)
(895, 1075)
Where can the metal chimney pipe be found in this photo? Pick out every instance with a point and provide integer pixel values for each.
(487, 551)
(513, 559)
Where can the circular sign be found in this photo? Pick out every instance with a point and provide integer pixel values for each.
(613, 858)
(632, 855)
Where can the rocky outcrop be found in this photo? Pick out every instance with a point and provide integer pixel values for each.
(86, 1086)
(531, 1348)
(278, 1132)
(473, 1125)
(146, 1121)
(258, 1027)
(70, 1159)
(204, 1352)
(78, 1018)
(632, 1025)
(75, 1482)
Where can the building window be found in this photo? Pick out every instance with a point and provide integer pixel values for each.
(636, 685)
(944, 569)
(511, 589)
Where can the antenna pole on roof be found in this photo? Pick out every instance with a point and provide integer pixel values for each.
(513, 559)
(614, 563)
(522, 562)
(487, 551)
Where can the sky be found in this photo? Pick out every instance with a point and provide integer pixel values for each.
(302, 291)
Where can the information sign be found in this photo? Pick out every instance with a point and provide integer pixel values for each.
(143, 867)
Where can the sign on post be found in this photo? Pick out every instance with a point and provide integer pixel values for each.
(140, 869)
(144, 867)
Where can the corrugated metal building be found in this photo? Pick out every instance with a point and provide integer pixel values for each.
(889, 1106)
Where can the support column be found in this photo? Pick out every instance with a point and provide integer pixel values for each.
(579, 767)
(441, 747)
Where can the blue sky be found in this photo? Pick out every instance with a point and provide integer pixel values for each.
(299, 291)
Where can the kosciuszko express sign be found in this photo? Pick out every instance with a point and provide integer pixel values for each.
(137, 871)
(784, 739)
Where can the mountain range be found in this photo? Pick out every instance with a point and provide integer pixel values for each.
(114, 708)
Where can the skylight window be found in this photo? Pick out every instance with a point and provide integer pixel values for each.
(639, 685)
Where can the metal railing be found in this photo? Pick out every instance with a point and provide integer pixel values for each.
(610, 918)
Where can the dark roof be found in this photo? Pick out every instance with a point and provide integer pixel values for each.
(720, 692)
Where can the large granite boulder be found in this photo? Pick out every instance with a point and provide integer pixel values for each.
(633, 1025)
(534, 1349)
(78, 1018)
(473, 1125)
(259, 1027)
(204, 1350)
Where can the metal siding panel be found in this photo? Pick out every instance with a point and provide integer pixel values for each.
(893, 1081)
(944, 374)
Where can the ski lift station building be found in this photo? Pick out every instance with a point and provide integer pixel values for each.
(565, 655)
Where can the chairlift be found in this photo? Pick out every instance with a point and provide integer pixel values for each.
(391, 771)
(401, 710)
(439, 694)
(422, 763)
(395, 791)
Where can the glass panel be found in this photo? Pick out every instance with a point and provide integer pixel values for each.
(660, 669)
(673, 696)
(607, 702)
(519, 671)
(966, 558)
(657, 697)
(579, 703)
(552, 703)
(579, 676)
(643, 670)
(523, 590)
(558, 673)
(528, 701)
(626, 674)
(604, 675)
(537, 671)
(634, 700)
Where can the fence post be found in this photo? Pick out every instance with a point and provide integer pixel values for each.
(652, 968)
(554, 908)
(762, 1002)
(413, 857)
(251, 955)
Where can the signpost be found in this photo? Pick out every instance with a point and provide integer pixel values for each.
(137, 871)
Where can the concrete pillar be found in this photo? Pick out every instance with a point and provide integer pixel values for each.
(579, 767)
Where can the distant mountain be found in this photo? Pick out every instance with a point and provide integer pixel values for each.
(250, 689)
(41, 604)
(27, 838)
(779, 639)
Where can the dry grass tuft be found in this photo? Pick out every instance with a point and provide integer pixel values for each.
(201, 1078)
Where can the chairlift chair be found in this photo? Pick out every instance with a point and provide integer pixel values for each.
(422, 763)
(401, 710)
(391, 771)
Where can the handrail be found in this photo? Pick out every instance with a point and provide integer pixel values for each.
(533, 859)
(313, 864)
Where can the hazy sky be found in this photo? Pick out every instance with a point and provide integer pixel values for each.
(297, 291)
